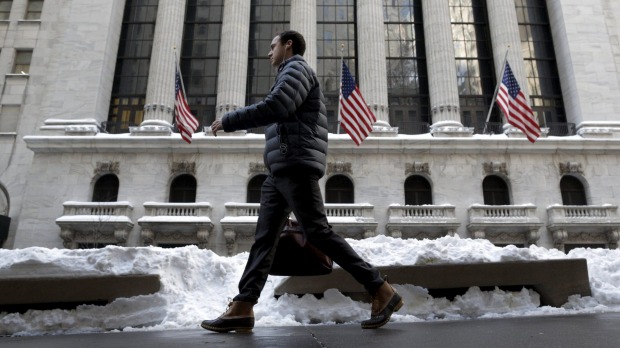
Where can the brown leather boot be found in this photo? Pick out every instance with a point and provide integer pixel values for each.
(385, 302)
(239, 317)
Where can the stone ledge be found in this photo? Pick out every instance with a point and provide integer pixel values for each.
(19, 293)
(553, 280)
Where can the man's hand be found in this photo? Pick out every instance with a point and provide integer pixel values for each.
(216, 126)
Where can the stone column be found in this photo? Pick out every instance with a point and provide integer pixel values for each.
(505, 37)
(372, 74)
(233, 69)
(159, 108)
(303, 20)
(444, 95)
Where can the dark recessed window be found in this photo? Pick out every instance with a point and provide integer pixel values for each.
(254, 188)
(339, 189)
(183, 189)
(106, 189)
(418, 191)
(495, 191)
(573, 192)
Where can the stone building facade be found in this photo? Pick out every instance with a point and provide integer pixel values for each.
(88, 158)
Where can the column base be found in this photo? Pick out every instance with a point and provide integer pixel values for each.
(601, 129)
(208, 132)
(451, 129)
(152, 128)
(513, 132)
(82, 127)
(383, 129)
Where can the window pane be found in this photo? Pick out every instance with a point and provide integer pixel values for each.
(417, 191)
(495, 191)
(473, 50)
(200, 57)
(335, 28)
(5, 9)
(339, 189)
(22, 62)
(106, 189)
(132, 66)
(540, 63)
(254, 188)
(573, 192)
(34, 9)
(406, 70)
(183, 189)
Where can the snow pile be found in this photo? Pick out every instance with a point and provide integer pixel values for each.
(196, 285)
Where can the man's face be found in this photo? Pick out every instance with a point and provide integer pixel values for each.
(279, 52)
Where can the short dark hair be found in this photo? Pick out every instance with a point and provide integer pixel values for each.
(299, 43)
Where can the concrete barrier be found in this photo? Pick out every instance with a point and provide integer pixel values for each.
(19, 293)
(553, 280)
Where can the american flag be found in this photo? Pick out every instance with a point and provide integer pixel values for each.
(186, 122)
(355, 116)
(515, 107)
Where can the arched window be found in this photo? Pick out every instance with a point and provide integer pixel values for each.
(418, 191)
(183, 189)
(254, 188)
(495, 191)
(339, 189)
(573, 192)
(106, 189)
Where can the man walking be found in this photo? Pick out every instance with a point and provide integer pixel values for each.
(295, 154)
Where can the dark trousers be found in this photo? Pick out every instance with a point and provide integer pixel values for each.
(299, 193)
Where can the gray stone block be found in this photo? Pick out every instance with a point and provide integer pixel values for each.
(18, 293)
(553, 280)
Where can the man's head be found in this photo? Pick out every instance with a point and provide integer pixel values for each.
(285, 45)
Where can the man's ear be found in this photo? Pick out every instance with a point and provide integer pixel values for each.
(289, 43)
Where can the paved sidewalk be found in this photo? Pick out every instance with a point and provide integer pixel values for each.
(599, 330)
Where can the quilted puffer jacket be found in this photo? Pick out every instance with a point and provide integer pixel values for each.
(295, 116)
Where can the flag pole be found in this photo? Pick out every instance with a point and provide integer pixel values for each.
(499, 80)
(178, 65)
(340, 88)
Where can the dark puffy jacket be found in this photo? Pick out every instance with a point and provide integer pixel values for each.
(294, 111)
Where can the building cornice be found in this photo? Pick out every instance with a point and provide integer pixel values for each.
(338, 144)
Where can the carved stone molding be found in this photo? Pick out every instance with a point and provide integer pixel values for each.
(183, 168)
(441, 108)
(107, 168)
(257, 168)
(417, 168)
(339, 168)
(495, 168)
(571, 168)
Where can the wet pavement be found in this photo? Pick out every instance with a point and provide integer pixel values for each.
(590, 330)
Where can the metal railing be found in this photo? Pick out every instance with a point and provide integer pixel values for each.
(560, 129)
(555, 128)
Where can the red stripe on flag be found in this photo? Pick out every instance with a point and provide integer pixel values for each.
(515, 107)
(187, 123)
(356, 118)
